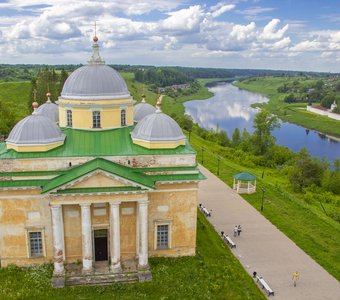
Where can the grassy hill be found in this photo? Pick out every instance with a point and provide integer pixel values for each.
(301, 218)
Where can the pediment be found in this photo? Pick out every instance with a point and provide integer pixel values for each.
(98, 179)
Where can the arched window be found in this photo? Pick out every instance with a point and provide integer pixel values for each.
(96, 119)
(123, 117)
(69, 118)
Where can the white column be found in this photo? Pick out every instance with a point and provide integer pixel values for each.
(58, 242)
(115, 237)
(86, 236)
(143, 230)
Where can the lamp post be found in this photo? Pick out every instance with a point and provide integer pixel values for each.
(218, 165)
(263, 191)
(202, 154)
(264, 166)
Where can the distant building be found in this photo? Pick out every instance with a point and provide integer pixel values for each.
(324, 111)
(174, 87)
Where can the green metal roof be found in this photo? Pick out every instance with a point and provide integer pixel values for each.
(23, 183)
(78, 143)
(164, 169)
(177, 177)
(245, 176)
(99, 190)
(33, 173)
(95, 164)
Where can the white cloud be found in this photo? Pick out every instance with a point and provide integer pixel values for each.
(217, 11)
(158, 32)
(187, 19)
(271, 32)
(307, 46)
(243, 32)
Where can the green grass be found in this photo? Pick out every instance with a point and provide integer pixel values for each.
(16, 94)
(214, 273)
(295, 112)
(306, 224)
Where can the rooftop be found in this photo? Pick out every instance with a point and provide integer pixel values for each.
(83, 143)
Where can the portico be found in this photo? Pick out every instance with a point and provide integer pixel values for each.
(87, 235)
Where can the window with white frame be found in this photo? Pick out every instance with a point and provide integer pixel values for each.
(96, 119)
(163, 236)
(35, 244)
(123, 117)
(69, 118)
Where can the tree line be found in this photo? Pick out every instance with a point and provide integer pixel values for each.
(47, 80)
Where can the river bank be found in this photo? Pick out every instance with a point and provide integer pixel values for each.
(294, 112)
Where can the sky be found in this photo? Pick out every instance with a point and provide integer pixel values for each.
(247, 34)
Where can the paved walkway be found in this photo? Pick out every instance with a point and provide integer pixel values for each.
(263, 248)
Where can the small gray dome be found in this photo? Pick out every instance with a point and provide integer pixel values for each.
(142, 110)
(35, 130)
(95, 82)
(157, 127)
(49, 110)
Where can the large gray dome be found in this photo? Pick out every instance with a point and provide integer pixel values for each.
(35, 130)
(95, 82)
(142, 110)
(49, 110)
(157, 127)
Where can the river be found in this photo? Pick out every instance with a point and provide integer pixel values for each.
(230, 108)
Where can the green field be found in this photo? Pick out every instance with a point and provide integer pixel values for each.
(15, 95)
(305, 223)
(294, 112)
(214, 273)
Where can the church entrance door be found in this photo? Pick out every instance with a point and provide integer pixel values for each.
(100, 245)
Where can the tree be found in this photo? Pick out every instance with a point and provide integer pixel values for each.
(236, 138)
(306, 171)
(327, 100)
(289, 98)
(264, 123)
(7, 119)
(33, 91)
(63, 77)
(331, 179)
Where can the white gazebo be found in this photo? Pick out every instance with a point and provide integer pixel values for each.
(244, 183)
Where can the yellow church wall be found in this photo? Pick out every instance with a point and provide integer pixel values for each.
(159, 145)
(176, 206)
(72, 232)
(38, 148)
(178, 210)
(20, 215)
(98, 180)
(110, 117)
(128, 219)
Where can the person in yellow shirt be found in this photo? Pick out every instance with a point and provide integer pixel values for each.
(295, 277)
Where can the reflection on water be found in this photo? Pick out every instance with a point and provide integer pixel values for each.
(229, 108)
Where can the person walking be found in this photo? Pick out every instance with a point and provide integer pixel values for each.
(296, 276)
(235, 231)
(239, 229)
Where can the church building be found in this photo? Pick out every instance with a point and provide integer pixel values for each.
(96, 184)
